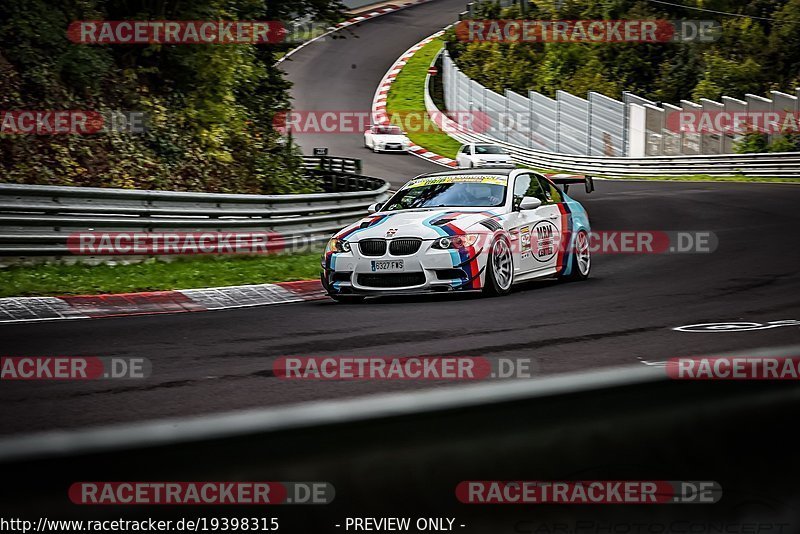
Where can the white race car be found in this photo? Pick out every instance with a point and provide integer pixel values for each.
(479, 230)
(382, 138)
(482, 155)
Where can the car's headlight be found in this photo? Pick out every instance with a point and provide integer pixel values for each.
(456, 241)
(338, 245)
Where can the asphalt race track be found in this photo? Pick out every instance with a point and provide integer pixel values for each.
(624, 314)
(207, 362)
(342, 75)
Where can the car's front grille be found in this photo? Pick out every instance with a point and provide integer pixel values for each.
(404, 247)
(391, 279)
(342, 276)
(372, 247)
(393, 146)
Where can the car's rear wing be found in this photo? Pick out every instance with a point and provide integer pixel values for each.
(566, 179)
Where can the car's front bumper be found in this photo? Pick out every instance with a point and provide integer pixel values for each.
(391, 149)
(428, 271)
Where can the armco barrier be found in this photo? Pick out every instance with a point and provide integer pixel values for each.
(36, 221)
(403, 454)
(332, 163)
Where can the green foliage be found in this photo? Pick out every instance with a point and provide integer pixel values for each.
(752, 55)
(154, 274)
(727, 77)
(208, 108)
(750, 143)
(407, 96)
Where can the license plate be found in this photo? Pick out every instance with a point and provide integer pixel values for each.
(387, 265)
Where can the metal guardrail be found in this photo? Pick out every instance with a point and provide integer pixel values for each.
(332, 163)
(778, 164)
(37, 220)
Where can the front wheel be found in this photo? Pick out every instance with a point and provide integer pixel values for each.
(499, 268)
(581, 259)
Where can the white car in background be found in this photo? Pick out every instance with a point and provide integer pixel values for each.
(383, 138)
(476, 155)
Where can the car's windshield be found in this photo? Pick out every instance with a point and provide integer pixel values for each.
(387, 130)
(489, 149)
(450, 191)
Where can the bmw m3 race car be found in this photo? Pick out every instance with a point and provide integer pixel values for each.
(465, 230)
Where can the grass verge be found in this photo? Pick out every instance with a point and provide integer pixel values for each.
(407, 94)
(154, 274)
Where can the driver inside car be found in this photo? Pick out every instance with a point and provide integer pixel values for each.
(479, 195)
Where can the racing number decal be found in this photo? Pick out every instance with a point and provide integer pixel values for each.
(525, 241)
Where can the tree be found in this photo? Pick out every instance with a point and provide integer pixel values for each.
(209, 108)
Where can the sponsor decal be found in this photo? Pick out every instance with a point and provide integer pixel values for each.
(525, 240)
(547, 241)
(466, 179)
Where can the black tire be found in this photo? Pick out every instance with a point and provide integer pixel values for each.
(492, 287)
(579, 273)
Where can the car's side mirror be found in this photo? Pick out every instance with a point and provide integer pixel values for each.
(529, 203)
(374, 207)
